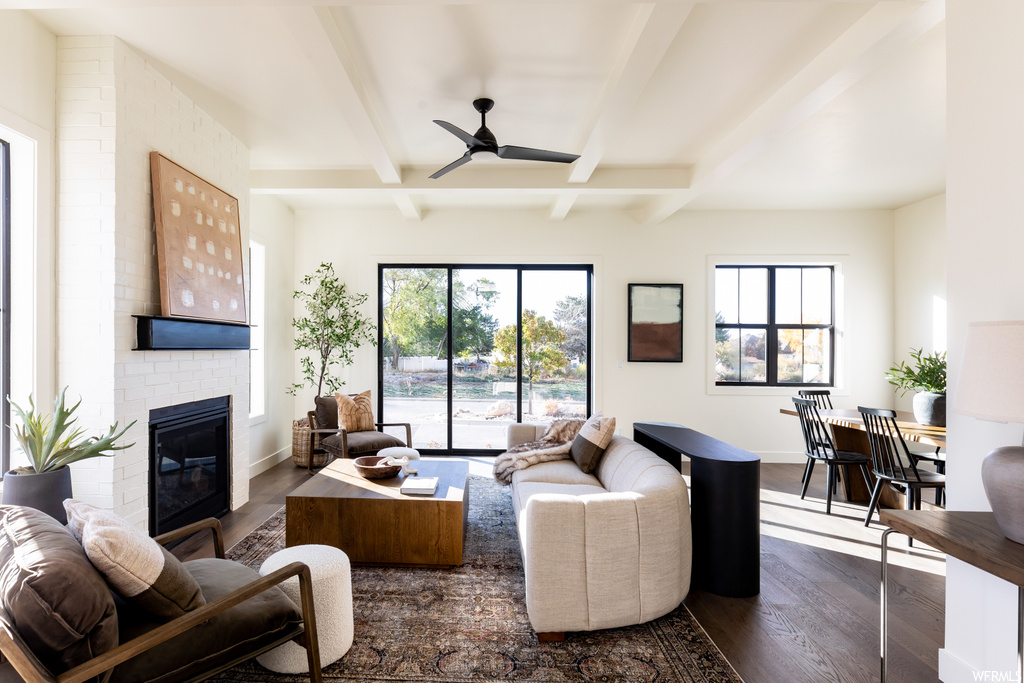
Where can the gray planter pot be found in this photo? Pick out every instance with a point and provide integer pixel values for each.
(44, 491)
(930, 409)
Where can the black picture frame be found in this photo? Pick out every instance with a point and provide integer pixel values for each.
(655, 323)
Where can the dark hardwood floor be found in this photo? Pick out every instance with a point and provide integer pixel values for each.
(817, 616)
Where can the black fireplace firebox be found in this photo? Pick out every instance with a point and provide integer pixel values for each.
(189, 459)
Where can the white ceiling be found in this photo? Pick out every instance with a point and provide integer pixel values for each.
(725, 104)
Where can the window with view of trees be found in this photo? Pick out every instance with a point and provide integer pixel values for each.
(774, 325)
(466, 350)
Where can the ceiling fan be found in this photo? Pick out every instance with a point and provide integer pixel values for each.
(483, 143)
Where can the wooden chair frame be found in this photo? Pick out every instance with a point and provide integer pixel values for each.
(32, 670)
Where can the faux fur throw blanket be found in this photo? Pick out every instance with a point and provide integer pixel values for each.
(554, 445)
(526, 454)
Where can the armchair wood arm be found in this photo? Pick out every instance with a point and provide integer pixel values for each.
(21, 657)
(165, 632)
(211, 523)
(408, 430)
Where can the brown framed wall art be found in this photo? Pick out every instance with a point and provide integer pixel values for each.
(656, 323)
(199, 245)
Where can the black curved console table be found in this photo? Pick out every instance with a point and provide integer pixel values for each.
(725, 511)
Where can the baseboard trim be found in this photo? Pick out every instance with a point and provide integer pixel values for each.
(271, 460)
(952, 669)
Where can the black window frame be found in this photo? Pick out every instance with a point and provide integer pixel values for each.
(520, 268)
(5, 306)
(772, 327)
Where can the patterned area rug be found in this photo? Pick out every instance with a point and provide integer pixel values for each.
(470, 623)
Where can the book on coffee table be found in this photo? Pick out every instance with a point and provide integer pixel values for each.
(420, 486)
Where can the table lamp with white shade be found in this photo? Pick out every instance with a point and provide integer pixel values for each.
(992, 388)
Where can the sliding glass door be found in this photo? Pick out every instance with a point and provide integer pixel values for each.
(466, 350)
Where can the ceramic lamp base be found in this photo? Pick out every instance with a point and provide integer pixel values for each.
(1002, 473)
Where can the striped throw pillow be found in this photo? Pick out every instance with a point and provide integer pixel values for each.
(591, 442)
(138, 568)
(355, 413)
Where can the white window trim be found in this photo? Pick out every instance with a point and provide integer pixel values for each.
(257, 333)
(33, 259)
(836, 261)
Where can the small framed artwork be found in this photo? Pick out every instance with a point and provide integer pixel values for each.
(198, 245)
(655, 323)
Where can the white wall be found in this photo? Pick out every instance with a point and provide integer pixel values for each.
(920, 281)
(272, 224)
(28, 53)
(985, 59)
(623, 252)
(115, 108)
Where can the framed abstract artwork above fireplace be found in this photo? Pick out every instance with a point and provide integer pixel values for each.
(656, 323)
(199, 245)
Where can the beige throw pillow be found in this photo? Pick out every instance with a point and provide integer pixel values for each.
(591, 442)
(355, 413)
(138, 568)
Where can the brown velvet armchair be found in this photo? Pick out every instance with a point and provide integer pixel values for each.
(330, 440)
(244, 616)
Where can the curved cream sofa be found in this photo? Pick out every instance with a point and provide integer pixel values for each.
(601, 551)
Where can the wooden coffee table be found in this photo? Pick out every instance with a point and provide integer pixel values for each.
(374, 523)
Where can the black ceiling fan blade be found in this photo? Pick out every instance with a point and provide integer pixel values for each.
(459, 133)
(465, 158)
(531, 154)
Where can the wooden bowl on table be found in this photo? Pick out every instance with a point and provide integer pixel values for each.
(370, 466)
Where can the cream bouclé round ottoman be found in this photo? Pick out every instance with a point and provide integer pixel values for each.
(399, 452)
(332, 602)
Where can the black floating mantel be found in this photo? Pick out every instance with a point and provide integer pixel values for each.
(158, 333)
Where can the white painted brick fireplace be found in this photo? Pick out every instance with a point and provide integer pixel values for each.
(113, 108)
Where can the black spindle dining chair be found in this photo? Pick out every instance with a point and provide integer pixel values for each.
(892, 461)
(818, 445)
(822, 397)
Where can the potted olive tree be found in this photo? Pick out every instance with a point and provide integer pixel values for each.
(52, 442)
(927, 376)
(330, 331)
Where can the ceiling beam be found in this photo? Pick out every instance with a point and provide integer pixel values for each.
(484, 179)
(336, 63)
(872, 42)
(647, 39)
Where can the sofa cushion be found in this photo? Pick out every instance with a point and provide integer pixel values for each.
(355, 413)
(136, 566)
(360, 443)
(556, 472)
(326, 412)
(589, 444)
(522, 492)
(260, 621)
(59, 603)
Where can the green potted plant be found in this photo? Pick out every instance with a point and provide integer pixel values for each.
(332, 329)
(52, 442)
(927, 376)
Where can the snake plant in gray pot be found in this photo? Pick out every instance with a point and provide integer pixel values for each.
(51, 441)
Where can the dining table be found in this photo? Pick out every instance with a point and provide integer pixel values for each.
(850, 434)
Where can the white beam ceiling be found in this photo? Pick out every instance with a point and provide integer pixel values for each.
(649, 37)
(595, 86)
(868, 44)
